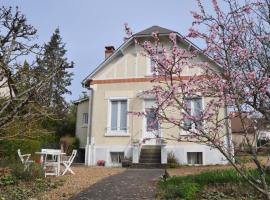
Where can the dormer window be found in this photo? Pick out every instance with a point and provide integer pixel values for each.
(151, 68)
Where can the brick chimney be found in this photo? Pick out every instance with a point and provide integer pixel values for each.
(109, 51)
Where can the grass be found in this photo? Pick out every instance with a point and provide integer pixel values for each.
(221, 184)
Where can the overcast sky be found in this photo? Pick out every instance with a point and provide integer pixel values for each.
(87, 26)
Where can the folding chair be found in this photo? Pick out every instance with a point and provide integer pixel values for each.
(25, 161)
(67, 163)
(50, 167)
(51, 163)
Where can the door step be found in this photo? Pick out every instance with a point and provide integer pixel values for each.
(148, 165)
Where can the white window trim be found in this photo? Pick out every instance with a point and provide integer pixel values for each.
(148, 67)
(195, 151)
(148, 64)
(113, 163)
(184, 132)
(116, 133)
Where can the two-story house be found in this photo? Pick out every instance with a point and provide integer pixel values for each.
(105, 128)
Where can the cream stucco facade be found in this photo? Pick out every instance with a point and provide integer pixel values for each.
(123, 76)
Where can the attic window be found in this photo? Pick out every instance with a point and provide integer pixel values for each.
(153, 64)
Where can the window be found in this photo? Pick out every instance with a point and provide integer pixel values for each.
(194, 158)
(194, 107)
(85, 119)
(117, 157)
(153, 64)
(151, 120)
(118, 118)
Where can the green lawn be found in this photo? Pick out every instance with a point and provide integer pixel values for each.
(212, 185)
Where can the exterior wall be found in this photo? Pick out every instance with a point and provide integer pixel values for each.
(81, 129)
(132, 65)
(210, 156)
(104, 143)
(239, 142)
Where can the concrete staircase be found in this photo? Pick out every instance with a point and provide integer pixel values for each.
(150, 157)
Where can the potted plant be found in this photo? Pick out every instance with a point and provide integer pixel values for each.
(126, 162)
(101, 163)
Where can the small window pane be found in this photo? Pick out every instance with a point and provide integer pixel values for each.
(194, 158)
(123, 115)
(114, 110)
(187, 122)
(197, 109)
(85, 118)
(151, 120)
(117, 157)
(194, 108)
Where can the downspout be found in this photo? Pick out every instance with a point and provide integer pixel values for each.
(89, 157)
(228, 134)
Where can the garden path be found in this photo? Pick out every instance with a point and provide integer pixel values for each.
(130, 184)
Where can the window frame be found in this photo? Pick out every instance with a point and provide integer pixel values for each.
(117, 132)
(144, 129)
(146, 124)
(202, 157)
(149, 63)
(83, 119)
(193, 127)
(118, 157)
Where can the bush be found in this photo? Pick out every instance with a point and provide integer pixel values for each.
(7, 180)
(184, 190)
(187, 187)
(172, 161)
(49, 141)
(8, 148)
(69, 143)
(34, 171)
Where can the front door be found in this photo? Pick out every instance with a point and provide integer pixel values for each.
(151, 132)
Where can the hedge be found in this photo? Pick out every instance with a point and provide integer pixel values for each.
(8, 148)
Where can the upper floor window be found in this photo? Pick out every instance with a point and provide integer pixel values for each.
(85, 119)
(118, 115)
(194, 108)
(152, 64)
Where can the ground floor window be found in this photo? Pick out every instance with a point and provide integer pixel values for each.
(194, 158)
(117, 157)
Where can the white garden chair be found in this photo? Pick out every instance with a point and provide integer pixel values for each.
(67, 161)
(51, 162)
(25, 160)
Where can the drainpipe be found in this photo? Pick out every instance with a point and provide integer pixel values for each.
(88, 153)
(228, 133)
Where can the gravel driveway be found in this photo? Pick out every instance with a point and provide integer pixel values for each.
(130, 184)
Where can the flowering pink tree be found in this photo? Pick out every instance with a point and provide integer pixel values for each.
(236, 76)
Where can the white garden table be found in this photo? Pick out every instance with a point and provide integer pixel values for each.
(55, 153)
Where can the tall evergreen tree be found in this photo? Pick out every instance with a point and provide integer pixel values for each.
(53, 58)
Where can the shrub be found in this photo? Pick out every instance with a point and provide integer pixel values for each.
(8, 148)
(69, 143)
(187, 187)
(184, 190)
(49, 141)
(34, 171)
(7, 180)
(172, 161)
